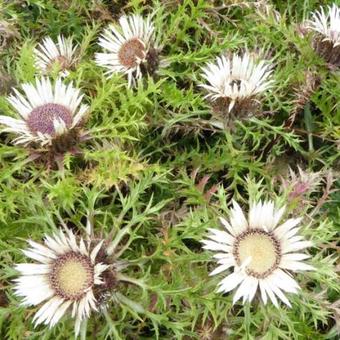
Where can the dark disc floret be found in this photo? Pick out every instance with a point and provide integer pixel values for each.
(130, 52)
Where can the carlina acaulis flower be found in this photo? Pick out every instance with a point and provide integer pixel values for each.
(70, 276)
(129, 48)
(260, 253)
(235, 83)
(62, 54)
(51, 117)
(326, 27)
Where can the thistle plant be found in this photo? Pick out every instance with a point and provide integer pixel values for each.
(61, 55)
(193, 201)
(234, 83)
(130, 49)
(260, 251)
(51, 117)
(326, 40)
(70, 274)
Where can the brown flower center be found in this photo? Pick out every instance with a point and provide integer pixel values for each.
(72, 274)
(41, 119)
(130, 52)
(261, 248)
(62, 62)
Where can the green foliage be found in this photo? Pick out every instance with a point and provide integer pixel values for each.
(158, 171)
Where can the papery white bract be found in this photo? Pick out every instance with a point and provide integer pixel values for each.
(74, 276)
(260, 253)
(127, 46)
(64, 278)
(48, 53)
(46, 112)
(328, 25)
(236, 79)
(326, 39)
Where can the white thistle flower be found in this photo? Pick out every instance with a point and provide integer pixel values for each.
(236, 79)
(48, 53)
(64, 278)
(46, 112)
(260, 251)
(74, 276)
(328, 25)
(127, 47)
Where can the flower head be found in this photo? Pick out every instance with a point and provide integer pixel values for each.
(235, 82)
(50, 116)
(328, 25)
(65, 277)
(260, 251)
(72, 276)
(326, 41)
(129, 47)
(48, 54)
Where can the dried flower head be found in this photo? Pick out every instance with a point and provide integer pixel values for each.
(8, 32)
(260, 252)
(303, 93)
(130, 48)
(235, 83)
(326, 41)
(51, 117)
(62, 54)
(267, 11)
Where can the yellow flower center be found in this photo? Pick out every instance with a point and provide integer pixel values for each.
(261, 249)
(72, 275)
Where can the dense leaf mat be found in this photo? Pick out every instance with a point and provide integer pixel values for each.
(157, 164)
